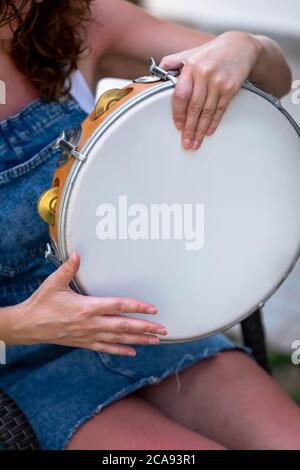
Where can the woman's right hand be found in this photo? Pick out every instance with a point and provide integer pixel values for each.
(56, 314)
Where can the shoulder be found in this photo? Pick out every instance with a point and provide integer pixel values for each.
(109, 21)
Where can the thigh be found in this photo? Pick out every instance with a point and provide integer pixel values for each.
(231, 400)
(132, 423)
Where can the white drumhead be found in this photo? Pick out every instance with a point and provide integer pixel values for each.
(246, 180)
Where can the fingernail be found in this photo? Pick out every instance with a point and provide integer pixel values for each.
(210, 131)
(187, 143)
(153, 340)
(131, 353)
(161, 331)
(152, 310)
(179, 125)
(197, 144)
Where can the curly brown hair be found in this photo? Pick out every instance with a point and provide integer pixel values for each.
(47, 41)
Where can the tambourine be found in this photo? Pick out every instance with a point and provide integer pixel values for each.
(206, 236)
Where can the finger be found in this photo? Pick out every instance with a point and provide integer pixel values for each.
(112, 349)
(194, 111)
(65, 273)
(219, 112)
(181, 97)
(228, 90)
(206, 116)
(125, 338)
(123, 324)
(173, 61)
(119, 305)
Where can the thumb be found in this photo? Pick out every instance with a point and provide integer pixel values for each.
(171, 62)
(65, 273)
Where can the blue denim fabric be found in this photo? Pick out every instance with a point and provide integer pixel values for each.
(59, 388)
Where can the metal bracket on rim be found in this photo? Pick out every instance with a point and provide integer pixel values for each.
(157, 74)
(161, 73)
(51, 256)
(61, 141)
(268, 96)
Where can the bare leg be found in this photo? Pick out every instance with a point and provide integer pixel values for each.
(132, 423)
(231, 400)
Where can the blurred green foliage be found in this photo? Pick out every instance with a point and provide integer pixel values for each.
(279, 359)
(285, 373)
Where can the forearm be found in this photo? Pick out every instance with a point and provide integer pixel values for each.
(271, 71)
(7, 318)
(20, 324)
(133, 35)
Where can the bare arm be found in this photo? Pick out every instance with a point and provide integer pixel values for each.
(6, 334)
(213, 68)
(271, 72)
(57, 315)
(134, 35)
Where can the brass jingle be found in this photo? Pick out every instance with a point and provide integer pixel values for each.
(47, 204)
(108, 98)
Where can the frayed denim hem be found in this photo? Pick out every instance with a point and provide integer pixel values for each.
(182, 364)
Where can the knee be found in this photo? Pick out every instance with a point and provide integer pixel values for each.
(227, 365)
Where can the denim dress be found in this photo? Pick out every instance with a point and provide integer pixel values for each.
(59, 388)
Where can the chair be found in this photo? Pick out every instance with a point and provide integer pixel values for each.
(16, 432)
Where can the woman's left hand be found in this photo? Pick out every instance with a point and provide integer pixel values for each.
(210, 76)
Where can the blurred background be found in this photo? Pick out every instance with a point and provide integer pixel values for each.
(281, 21)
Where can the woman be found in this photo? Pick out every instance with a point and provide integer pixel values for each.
(68, 366)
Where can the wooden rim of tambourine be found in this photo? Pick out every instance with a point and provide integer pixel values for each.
(109, 106)
(88, 127)
(50, 201)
